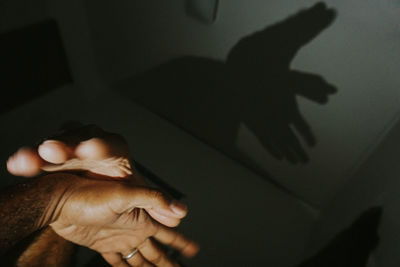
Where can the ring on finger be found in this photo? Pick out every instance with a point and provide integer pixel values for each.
(131, 254)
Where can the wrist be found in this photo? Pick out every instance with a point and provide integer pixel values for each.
(56, 189)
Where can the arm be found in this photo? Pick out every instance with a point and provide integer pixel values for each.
(47, 249)
(26, 208)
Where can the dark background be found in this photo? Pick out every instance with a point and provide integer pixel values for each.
(304, 97)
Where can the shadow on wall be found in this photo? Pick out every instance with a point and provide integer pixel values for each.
(255, 86)
(351, 247)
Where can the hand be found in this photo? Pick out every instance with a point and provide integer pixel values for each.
(116, 220)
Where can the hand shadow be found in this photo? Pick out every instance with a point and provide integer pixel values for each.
(267, 87)
(255, 86)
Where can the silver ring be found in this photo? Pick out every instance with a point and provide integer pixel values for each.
(130, 255)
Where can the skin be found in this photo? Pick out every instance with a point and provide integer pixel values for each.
(113, 227)
(47, 249)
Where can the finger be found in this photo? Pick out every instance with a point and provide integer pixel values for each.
(99, 148)
(310, 22)
(137, 260)
(54, 151)
(282, 141)
(176, 240)
(154, 254)
(115, 259)
(25, 162)
(311, 86)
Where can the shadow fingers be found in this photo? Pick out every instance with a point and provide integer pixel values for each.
(282, 144)
(304, 129)
(311, 86)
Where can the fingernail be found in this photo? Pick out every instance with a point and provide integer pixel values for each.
(50, 141)
(178, 207)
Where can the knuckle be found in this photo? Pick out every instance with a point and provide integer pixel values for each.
(156, 258)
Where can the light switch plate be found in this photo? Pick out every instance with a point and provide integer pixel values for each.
(203, 10)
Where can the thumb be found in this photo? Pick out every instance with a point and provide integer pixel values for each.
(156, 203)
